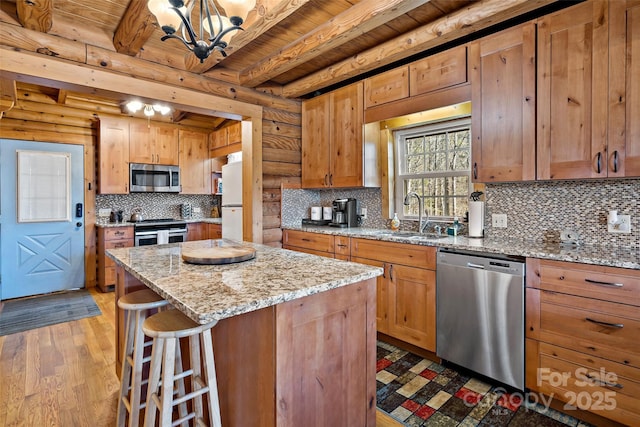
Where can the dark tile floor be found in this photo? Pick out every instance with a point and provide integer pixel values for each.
(419, 392)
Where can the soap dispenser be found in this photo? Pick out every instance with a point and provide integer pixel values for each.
(395, 222)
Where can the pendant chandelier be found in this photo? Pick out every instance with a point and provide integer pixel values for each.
(176, 18)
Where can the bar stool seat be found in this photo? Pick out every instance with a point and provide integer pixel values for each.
(138, 306)
(166, 328)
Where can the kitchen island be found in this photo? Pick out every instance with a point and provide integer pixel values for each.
(296, 339)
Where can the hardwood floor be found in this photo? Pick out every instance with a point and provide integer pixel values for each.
(64, 375)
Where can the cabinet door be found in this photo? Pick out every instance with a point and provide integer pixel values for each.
(347, 116)
(195, 167)
(218, 139)
(389, 86)
(113, 152)
(382, 295)
(166, 144)
(215, 231)
(439, 71)
(624, 89)
(197, 231)
(504, 107)
(412, 311)
(234, 135)
(316, 132)
(141, 149)
(573, 92)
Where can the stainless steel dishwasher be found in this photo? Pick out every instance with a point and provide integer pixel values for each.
(480, 313)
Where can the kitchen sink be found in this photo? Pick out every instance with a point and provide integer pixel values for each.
(410, 235)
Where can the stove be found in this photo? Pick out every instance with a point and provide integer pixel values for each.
(159, 231)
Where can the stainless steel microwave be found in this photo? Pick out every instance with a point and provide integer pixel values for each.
(147, 178)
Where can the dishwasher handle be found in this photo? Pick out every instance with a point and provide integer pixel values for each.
(478, 266)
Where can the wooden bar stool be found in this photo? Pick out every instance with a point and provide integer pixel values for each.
(166, 328)
(137, 306)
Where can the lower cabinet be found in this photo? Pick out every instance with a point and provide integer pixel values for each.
(111, 238)
(203, 231)
(311, 243)
(583, 330)
(214, 231)
(406, 292)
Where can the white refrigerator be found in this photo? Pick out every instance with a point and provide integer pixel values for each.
(232, 201)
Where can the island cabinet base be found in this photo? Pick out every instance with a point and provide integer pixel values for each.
(306, 362)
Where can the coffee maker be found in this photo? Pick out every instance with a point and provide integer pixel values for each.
(344, 213)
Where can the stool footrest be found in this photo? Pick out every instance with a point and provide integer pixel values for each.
(191, 395)
(179, 421)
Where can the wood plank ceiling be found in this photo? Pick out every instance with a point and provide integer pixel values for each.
(290, 48)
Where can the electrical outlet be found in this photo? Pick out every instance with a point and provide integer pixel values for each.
(197, 210)
(499, 220)
(623, 225)
(104, 212)
(363, 213)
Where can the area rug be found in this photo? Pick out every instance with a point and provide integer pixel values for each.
(419, 392)
(23, 314)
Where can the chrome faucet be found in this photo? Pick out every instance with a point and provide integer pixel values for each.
(407, 200)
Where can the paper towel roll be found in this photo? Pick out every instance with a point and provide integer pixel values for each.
(476, 219)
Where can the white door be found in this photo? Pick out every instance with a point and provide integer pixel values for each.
(41, 218)
(232, 223)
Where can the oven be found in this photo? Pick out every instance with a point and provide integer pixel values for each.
(159, 231)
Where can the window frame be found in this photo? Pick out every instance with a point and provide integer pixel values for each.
(422, 129)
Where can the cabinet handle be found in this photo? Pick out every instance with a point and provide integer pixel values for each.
(384, 270)
(331, 179)
(615, 161)
(599, 161)
(119, 233)
(597, 282)
(341, 245)
(475, 170)
(304, 239)
(600, 382)
(326, 179)
(391, 273)
(610, 325)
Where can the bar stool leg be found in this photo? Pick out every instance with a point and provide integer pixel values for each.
(194, 352)
(154, 380)
(136, 377)
(168, 364)
(210, 371)
(125, 374)
(181, 389)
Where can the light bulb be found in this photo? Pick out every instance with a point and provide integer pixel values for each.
(237, 8)
(167, 18)
(134, 106)
(148, 110)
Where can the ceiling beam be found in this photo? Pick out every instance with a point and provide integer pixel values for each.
(35, 15)
(350, 24)
(269, 18)
(134, 29)
(8, 95)
(477, 16)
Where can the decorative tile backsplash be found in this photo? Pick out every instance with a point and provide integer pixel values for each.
(537, 211)
(156, 205)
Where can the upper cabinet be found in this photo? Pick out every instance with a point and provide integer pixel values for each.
(624, 89)
(226, 140)
(195, 165)
(503, 105)
(439, 71)
(113, 155)
(153, 143)
(333, 153)
(386, 87)
(573, 64)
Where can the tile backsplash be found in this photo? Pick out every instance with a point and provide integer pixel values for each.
(537, 211)
(155, 205)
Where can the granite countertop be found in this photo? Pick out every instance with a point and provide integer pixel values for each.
(596, 255)
(214, 292)
(104, 223)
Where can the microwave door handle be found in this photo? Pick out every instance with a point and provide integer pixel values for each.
(145, 233)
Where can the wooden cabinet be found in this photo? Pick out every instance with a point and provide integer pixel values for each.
(111, 238)
(573, 63)
(385, 87)
(332, 141)
(582, 326)
(195, 166)
(624, 89)
(153, 143)
(406, 292)
(226, 140)
(311, 243)
(439, 71)
(113, 156)
(503, 105)
(197, 231)
(214, 231)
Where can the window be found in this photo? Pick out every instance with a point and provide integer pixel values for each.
(434, 161)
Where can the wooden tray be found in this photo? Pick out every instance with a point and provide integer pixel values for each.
(218, 255)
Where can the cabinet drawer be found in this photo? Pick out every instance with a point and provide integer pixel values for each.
(115, 244)
(438, 71)
(118, 233)
(597, 385)
(601, 322)
(342, 246)
(314, 241)
(395, 253)
(606, 283)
